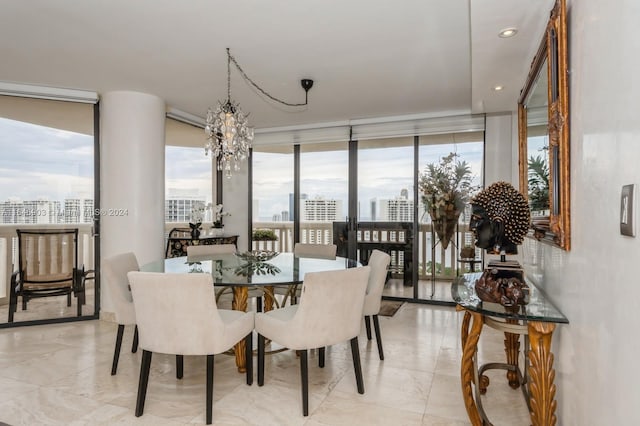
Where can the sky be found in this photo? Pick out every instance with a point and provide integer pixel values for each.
(41, 162)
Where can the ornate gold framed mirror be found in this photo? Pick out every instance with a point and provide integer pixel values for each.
(543, 133)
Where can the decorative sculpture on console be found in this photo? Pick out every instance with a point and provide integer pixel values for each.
(500, 219)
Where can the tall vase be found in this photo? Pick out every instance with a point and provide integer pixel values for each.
(445, 225)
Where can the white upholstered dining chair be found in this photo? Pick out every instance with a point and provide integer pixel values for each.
(379, 262)
(116, 285)
(329, 312)
(317, 251)
(313, 251)
(177, 314)
(204, 250)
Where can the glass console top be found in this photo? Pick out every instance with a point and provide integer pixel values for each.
(539, 307)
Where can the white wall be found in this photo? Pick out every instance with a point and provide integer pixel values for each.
(596, 284)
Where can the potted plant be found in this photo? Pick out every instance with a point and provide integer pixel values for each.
(195, 220)
(468, 252)
(264, 235)
(218, 215)
(446, 188)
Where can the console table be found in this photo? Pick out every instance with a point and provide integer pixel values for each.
(536, 321)
(177, 246)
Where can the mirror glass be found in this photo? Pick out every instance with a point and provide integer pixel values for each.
(538, 148)
(543, 132)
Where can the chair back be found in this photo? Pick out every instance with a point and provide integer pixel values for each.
(176, 233)
(330, 309)
(47, 258)
(177, 313)
(116, 285)
(203, 250)
(318, 251)
(379, 262)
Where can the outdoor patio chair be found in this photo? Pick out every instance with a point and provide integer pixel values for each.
(47, 266)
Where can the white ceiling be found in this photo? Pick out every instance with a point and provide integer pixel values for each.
(368, 58)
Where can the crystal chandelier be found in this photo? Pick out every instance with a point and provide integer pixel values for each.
(229, 136)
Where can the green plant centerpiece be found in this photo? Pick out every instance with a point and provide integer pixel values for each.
(446, 187)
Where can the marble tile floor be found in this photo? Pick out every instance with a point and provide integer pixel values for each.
(60, 375)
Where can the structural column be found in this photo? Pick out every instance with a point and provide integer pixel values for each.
(132, 134)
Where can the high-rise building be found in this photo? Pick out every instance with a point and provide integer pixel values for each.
(321, 210)
(76, 210)
(398, 209)
(178, 208)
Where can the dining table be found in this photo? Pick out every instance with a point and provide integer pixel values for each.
(242, 271)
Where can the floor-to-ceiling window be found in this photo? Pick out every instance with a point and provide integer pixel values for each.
(47, 180)
(369, 182)
(273, 194)
(439, 263)
(324, 190)
(188, 176)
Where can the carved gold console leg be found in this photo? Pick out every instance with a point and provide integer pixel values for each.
(470, 345)
(240, 297)
(512, 349)
(465, 325)
(542, 390)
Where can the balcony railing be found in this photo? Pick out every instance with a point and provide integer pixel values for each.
(322, 232)
(9, 250)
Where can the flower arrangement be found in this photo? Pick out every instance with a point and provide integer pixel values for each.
(197, 214)
(219, 214)
(446, 188)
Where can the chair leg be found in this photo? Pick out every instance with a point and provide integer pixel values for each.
(304, 376)
(69, 300)
(134, 345)
(209, 389)
(116, 353)
(260, 360)
(248, 357)
(367, 326)
(355, 353)
(259, 304)
(13, 298)
(376, 326)
(179, 366)
(143, 382)
(321, 357)
(79, 302)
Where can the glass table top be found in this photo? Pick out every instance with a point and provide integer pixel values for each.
(539, 307)
(231, 269)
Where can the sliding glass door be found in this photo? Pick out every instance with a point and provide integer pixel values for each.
(363, 195)
(48, 180)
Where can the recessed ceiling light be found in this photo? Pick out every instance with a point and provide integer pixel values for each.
(498, 88)
(508, 32)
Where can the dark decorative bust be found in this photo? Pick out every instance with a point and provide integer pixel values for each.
(500, 218)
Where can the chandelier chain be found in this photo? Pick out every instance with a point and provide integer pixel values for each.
(254, 84)
(228, 76)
